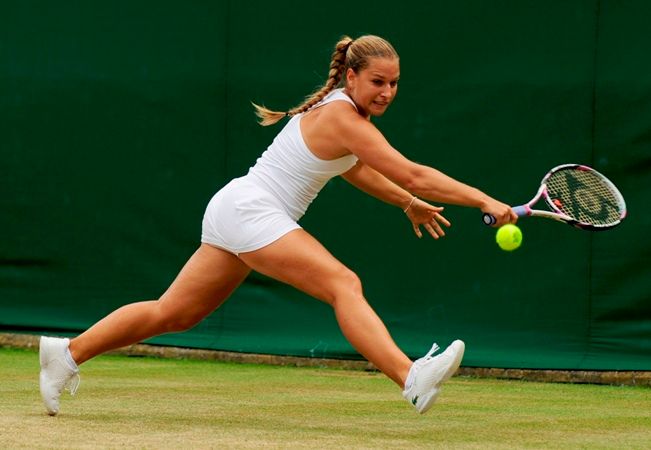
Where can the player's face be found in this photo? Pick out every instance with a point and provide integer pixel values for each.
(374, 88)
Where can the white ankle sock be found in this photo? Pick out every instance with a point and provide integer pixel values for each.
(71, 362)
(410, 378)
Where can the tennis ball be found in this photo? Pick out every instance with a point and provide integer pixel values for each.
(509, 237)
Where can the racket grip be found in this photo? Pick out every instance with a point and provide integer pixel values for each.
(489, 219)
(521, 211)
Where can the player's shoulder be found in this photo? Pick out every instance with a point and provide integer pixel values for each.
(340, 105)
(341, 113)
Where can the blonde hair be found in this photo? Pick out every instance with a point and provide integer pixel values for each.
(349, 53)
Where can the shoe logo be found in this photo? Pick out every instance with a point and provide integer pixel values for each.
(414, 400)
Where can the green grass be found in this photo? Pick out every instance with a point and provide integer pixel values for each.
(157, 403)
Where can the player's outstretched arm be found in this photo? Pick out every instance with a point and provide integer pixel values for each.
(364, 140)
(420, 213)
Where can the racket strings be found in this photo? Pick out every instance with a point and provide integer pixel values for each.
(584, 196)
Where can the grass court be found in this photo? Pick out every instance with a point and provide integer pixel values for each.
(146, 402)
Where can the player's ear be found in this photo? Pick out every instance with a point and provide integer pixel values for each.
(351, 78)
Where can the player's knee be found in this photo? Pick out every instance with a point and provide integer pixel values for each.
(182, 323)
(171, 321)
(347, 284)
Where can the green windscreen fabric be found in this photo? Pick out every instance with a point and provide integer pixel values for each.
(118, 124)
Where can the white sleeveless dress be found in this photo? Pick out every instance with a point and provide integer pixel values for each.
(257, 209)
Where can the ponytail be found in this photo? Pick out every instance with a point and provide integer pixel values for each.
(337, 68)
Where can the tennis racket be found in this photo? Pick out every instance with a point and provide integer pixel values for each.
(577, 195)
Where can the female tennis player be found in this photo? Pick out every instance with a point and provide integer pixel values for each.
(251, 224)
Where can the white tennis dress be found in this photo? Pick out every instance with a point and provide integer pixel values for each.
(257, 209)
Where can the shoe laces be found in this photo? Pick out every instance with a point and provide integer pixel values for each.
(73, 384)
(428, 357)
(433, 350)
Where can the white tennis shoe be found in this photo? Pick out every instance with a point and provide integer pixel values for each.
(57, 372)
(429, 372)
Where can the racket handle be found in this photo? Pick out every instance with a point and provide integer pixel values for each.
(489, 219)
(521, 211)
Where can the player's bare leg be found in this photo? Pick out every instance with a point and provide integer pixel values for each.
(205, 282)
(301, 261)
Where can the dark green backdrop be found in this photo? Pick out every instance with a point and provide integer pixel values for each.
(119, 121)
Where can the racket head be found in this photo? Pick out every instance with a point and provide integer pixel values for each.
(584, 197)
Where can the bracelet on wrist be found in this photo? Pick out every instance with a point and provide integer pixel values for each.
(413, 199)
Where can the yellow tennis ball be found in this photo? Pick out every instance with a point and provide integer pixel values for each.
(509, 237)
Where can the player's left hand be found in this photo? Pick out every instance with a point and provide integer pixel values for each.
(421, 213)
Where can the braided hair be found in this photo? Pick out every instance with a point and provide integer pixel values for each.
(348, 53)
